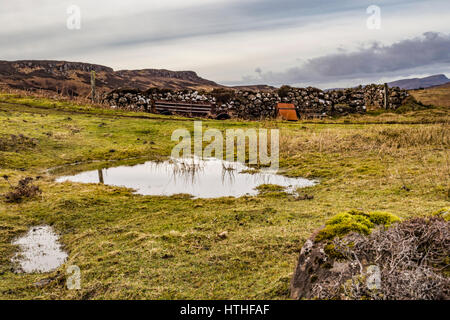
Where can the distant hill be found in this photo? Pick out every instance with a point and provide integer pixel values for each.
(257, 87)
(73, 78)
(414, 83)
(417, 83)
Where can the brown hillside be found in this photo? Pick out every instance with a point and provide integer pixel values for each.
(437, 96)
(73, 78)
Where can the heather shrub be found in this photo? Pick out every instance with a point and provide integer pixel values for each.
(24, 189)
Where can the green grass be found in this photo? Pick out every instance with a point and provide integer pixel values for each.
(150, 247)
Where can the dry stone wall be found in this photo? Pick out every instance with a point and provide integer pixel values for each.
(256, 105)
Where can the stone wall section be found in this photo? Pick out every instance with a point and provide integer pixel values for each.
(262, 104)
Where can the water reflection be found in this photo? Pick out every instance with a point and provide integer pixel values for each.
(100, 176)
(207, 178)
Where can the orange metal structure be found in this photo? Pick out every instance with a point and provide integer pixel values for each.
(287, 111)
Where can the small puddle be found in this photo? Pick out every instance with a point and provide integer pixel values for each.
(207, 178)
(40, 251)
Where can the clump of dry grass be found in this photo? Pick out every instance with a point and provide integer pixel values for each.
(16, 142)
(23, 189)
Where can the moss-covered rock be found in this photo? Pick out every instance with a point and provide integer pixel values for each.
(319, 258)
(354, 249)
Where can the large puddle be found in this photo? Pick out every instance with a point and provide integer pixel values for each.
(40, 251)
(207, 178)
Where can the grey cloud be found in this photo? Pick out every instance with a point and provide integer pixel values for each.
(46, 36)
(151, 26)
(148, 26)
(283, 8)
(377, 60)
(222, 18)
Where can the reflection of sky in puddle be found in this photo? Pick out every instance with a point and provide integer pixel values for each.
(209, 178)
(39, 251)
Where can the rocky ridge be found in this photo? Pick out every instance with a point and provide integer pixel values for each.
(74, 78)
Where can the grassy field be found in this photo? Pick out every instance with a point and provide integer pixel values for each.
(438, 96)
(152, 247)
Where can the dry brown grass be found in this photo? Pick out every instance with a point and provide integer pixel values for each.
(382, 139)
(46, 94)
(437, 96)
(16, 142)
(412, 156)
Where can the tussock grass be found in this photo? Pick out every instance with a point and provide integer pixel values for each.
(381, 138)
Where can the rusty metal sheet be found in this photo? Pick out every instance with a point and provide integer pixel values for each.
(287, 111)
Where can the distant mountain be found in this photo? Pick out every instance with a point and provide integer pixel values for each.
(73, 78)
(417, 83)
(414, 83)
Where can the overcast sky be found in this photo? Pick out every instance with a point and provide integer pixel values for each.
(317, 42)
